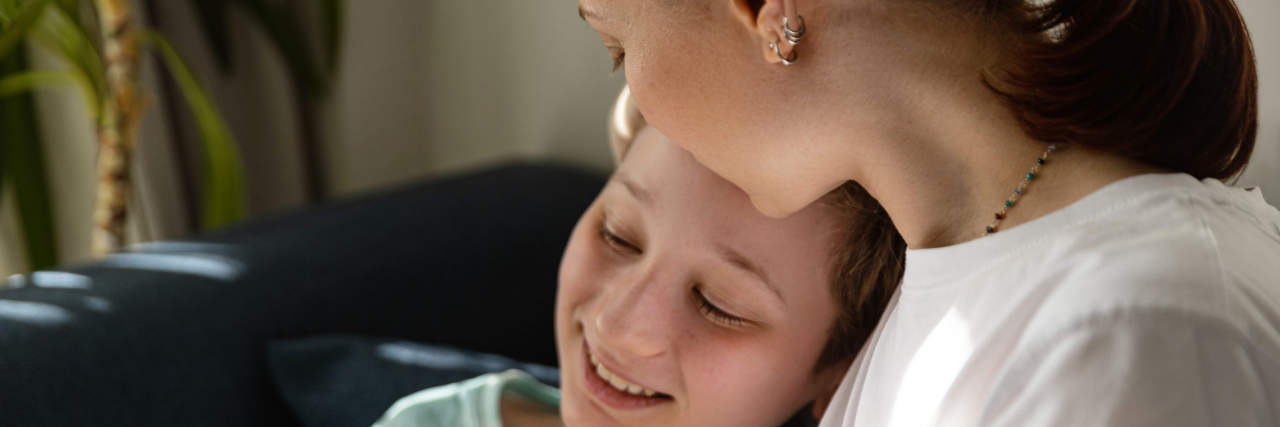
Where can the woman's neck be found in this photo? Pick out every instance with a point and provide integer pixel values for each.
(942, 180)
(936, 205)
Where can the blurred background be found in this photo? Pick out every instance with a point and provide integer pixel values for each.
(323, 100)
(265, 106)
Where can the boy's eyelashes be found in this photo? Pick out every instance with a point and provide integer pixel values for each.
(715, 313)
(617, 242)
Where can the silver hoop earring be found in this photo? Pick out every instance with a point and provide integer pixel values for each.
(793, 36)
(785, 60)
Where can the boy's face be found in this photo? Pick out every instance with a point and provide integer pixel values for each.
(674, 286)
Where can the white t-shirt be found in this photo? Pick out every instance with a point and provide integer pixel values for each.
(1154, 301)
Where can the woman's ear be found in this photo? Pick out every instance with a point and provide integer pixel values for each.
(828, 381)
(763, 19)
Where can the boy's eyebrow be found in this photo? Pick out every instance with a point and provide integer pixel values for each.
(640, 193)
(742, 262)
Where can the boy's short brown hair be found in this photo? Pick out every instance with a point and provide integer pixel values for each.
(867, 263)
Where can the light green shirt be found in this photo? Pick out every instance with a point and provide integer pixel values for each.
(472, 403)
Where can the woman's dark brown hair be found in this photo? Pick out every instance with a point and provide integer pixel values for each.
(1170, 83)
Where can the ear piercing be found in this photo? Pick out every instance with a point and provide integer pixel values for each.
(793, 37)
(785, 60)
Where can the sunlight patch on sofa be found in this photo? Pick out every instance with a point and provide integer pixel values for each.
(97, 304)
(209, 266)
(60, 280)
(35, 313)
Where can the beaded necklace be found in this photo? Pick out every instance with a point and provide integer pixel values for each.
(1022, 188)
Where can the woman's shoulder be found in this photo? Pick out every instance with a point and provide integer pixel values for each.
(1197, 249)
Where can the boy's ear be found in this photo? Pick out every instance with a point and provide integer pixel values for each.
(763, 18)
(625, 123)
(828, 381)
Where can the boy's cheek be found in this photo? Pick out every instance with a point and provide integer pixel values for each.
(584, 268)
(575, 258)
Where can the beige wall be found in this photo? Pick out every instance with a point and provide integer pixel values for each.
(436, 86)
(418, 93)
(1264, 168)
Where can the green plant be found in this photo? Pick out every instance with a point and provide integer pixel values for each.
(61, 27)
(22, 169)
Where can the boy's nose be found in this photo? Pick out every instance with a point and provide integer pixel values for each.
(633, 320)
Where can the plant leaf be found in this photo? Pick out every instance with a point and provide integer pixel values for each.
(333, 12)
(8, 11)
(213, 20)
(286, 33)
(19, 83)
(70, 6)
(23, 164)
(223, 174)
(61, 35)
(25, 81)
(16, 29)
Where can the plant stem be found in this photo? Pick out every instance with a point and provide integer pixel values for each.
(116, 132)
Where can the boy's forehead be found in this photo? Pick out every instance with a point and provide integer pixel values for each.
(671, 179)
(675, 197)
(656, 164)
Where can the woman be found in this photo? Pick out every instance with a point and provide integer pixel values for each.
(1054, 166)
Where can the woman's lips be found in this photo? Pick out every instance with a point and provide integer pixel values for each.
(610, 393)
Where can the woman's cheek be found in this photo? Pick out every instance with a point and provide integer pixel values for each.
(661, 91)
(686, 104)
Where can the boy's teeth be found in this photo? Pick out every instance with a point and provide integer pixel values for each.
(618, 383)
(604, 373)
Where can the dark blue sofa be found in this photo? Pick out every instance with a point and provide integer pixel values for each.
(175, 333)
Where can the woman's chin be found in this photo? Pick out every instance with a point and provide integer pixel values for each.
(771, 207)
